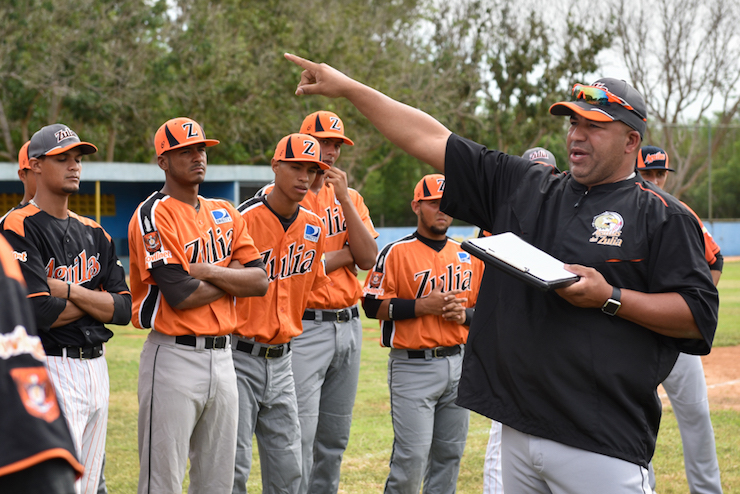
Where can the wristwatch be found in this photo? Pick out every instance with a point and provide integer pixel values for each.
(612, 305)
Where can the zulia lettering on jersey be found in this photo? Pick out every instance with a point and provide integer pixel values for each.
(82, 270)
(454, 278)
(334, 221)
(296, 261)
(213, 249)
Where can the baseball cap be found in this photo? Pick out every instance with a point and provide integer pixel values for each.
(56, 139)
(300, 147)
(178, 133)
(652, 158)
(540, 155)
(606, 100)
(23, 157)
(430, 187)
(325, 124)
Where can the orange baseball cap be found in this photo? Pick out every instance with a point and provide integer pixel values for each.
(23, 157)
(325, 124)
(430, 187)
(300, 147)
(178, 133)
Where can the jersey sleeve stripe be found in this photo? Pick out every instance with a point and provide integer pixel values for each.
(653, 192)
(15, 220)
(149, 307)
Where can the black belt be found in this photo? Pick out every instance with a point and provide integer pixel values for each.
(211, 341)
(87, 352)
(267, 351)
(439, 352)
(342, 315)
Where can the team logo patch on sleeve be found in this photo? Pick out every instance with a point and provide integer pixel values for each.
(36, 392)
(152, 242)
(463, 257)
(312, 233)
(373, 286)
(221, 216)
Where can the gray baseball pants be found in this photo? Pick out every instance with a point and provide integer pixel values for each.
(188, 408)
(533, 465)
(686, 387)
(326, 367)
(267, 408)
(429, 428)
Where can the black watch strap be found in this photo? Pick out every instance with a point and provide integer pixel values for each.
(612, 305)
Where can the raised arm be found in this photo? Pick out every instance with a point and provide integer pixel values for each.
(414, 131)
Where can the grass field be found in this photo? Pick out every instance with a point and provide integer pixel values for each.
(365, 465)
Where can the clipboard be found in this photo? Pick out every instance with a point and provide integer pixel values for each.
(511, 254)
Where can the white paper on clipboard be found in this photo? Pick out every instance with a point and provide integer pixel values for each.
(547, 271)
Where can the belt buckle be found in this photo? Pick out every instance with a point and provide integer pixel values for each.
(434, 352)
(344, 315)
(81, 351)
(219, 342)
(269, 349)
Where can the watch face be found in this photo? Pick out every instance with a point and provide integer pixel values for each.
(611, 307)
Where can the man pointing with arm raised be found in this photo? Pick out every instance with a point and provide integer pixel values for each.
(570, 373)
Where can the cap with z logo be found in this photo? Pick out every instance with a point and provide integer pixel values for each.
(300, 147)
(178, 133)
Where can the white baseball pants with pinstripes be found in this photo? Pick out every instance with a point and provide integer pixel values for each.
(83, 389)
(493, 479)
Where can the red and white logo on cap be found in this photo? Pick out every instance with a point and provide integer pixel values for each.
(63, 134)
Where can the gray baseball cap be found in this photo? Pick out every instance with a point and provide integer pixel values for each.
(606, 100)
(540, 155)
(56, 139)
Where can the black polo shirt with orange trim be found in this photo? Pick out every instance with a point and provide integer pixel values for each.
(543, 366)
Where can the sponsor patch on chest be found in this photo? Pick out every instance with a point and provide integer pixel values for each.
(221, 216)
(463, 257)
(607, 229)
(312, 233)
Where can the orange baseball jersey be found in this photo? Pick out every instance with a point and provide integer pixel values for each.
(710, 246)
(164, 231)
(292, 256)
(345, 289)
(410, 269)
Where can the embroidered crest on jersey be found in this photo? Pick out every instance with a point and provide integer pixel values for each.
(82, 269)
(464, 257)
(36, 392)
(296, 261)
(20, 256)
(152, 242)
(374, 286)
(221, 216)
(312, 233)
(19, 342)
(608, 228)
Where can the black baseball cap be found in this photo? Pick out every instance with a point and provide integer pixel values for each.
(56, 139)
(540, 155)
(652, 158)
(607, 109)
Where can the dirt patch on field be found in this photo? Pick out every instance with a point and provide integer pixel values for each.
(722, 370)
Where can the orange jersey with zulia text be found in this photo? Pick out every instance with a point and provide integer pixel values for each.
(410, 269)
(344, 290)
(165, 231)
(291, 250)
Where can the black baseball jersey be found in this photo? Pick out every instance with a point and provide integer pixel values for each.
(543, 366)
(75, 249)
(32, 426)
